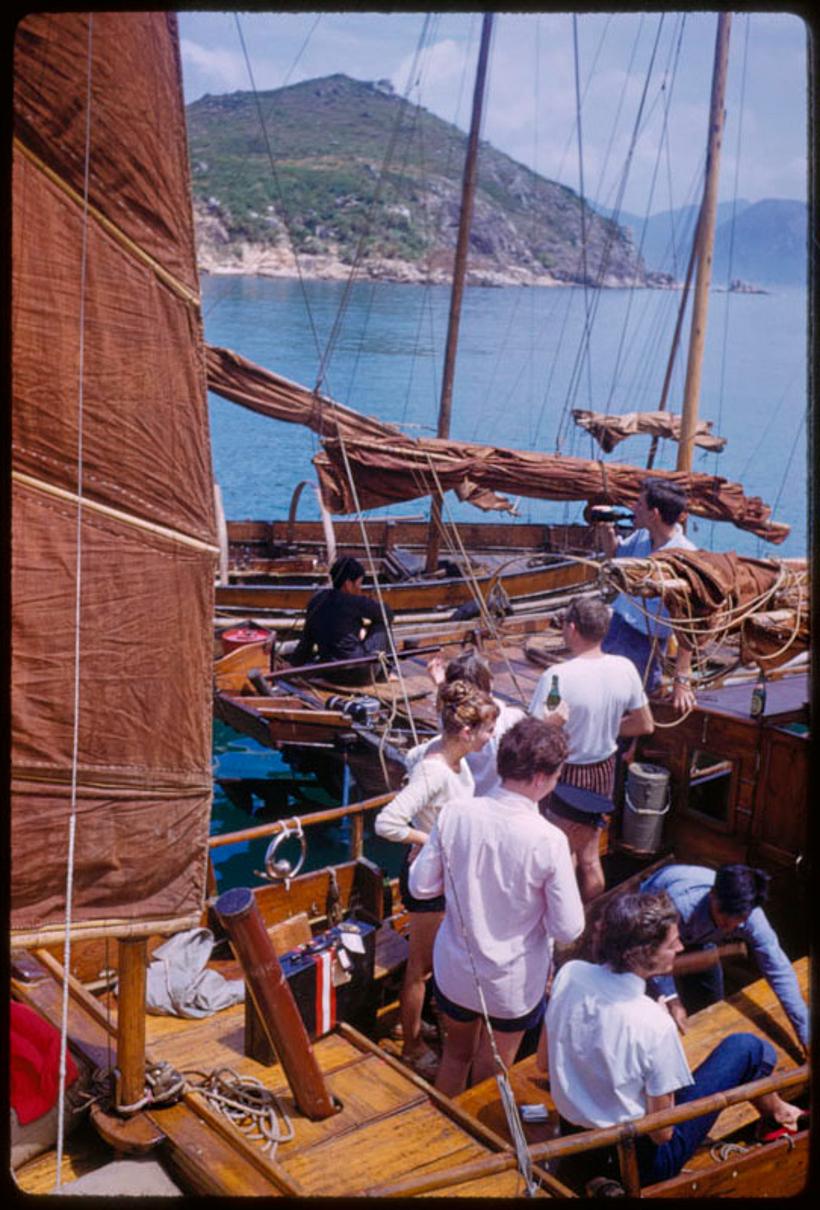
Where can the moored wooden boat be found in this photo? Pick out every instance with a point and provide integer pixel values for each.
(275, 567)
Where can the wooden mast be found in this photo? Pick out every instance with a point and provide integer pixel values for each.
(459, 272)
(705, 241)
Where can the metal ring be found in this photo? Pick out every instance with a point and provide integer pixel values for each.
(277, 870)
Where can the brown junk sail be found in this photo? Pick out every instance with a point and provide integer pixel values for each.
(112, 514)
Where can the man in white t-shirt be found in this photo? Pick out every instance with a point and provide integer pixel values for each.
(615, 1055)
(602, 699)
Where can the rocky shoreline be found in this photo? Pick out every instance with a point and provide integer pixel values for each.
(256, 260)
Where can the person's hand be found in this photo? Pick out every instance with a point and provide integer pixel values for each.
(435, 668)
(558, 716)
(683, 696)
(678, 1014)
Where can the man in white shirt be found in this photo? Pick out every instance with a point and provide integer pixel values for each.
(603, 699)
(638, 630)
(510, 892)
(615, 1055)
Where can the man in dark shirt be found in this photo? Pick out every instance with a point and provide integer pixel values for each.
(341, 623)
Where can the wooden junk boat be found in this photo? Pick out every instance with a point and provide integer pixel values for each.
(114, 542)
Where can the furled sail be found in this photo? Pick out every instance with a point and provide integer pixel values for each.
(389, 471)
(389, 468)
(113, 533)
(610, 430)
(763, 602)
(252, 386)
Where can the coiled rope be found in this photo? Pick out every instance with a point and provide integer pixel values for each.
(248, 1104)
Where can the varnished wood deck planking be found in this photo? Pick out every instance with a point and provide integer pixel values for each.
(419, 1140)
(530, 1086)
(501, 1184)
(754, 1009)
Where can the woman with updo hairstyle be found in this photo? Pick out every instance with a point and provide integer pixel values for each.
(471, 667)
(438, 773)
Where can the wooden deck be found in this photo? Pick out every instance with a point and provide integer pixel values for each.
(755, 1009)
(392, 1125)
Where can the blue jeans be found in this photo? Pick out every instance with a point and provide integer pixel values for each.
(623, 639)
(738, 1059)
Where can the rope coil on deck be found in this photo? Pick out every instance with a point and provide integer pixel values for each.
(248, 1104)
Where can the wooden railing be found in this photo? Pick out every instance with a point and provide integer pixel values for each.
(355, 811)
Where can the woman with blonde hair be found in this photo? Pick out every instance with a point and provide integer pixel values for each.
(438, 776)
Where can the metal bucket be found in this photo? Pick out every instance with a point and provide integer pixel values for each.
(646, 801)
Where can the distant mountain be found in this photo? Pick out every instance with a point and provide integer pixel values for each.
(315, 177)
(768, 246)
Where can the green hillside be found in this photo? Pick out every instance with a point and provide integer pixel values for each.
(335, 166)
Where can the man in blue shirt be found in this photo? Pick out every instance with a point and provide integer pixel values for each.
(637, 629)
(712, 907)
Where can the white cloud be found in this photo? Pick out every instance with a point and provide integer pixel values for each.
(216, 69)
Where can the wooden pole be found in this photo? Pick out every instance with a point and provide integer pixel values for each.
(357, 836)
(670, 365)
(133, 960)
(239, 915)
(628, 1162)
(459, 273)
(706, 239)
(701, 960)
(315, 817)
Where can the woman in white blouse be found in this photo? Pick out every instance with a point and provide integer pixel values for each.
(470, 667)
(440, 775)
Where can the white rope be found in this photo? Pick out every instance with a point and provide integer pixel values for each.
(75, 741)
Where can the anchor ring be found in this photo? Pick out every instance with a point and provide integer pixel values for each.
(278, 869)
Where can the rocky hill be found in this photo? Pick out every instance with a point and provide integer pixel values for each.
(337, 170)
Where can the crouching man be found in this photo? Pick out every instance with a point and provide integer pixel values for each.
(615, 1054)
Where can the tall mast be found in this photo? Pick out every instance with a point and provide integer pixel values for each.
(459, 272)
(706, 239)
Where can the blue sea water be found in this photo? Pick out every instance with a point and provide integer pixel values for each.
(526, 358)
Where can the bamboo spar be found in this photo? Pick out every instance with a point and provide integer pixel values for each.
(459, 272)
(706, 239)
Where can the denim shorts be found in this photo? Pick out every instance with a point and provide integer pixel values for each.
(505, 1025)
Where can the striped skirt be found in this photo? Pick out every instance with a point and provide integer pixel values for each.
(598, 777)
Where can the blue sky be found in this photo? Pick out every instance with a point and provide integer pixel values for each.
(531, 108)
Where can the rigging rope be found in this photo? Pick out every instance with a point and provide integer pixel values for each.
(75, 733)
(276, 181)
(583, 348)
(375, 200)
